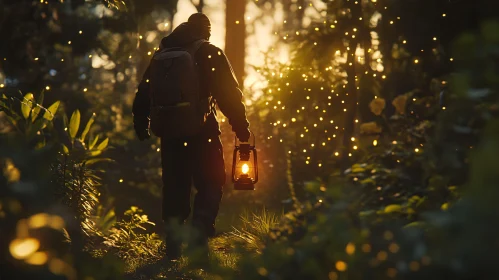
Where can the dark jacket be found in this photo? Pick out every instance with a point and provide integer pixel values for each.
(216, 77)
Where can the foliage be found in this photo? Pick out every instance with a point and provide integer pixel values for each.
(128, 239)
(26, 115)
(255, 229)
(413, 232)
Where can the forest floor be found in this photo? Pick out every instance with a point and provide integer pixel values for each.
(222, 254)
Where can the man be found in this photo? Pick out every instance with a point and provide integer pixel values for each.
(199, 158)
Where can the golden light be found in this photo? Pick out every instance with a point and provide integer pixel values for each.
(38, 258)
(245, 168)
(23, 248)
(350, 249)
(341, 265)
(38, 220)
(56, 222)
(375, 143)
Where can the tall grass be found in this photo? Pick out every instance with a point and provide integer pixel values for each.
(254, 231)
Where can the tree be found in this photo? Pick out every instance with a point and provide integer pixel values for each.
(235, 36)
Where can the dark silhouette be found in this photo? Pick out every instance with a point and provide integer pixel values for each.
(196, 158)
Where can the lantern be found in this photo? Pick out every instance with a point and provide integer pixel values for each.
(244, 166)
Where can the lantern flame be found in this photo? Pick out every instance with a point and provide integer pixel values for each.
(245, 168)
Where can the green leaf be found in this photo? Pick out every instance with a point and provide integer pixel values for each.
(65, 149)
(50, 113)
(95, 160)
(87, 128)
(74, 123)
(103, 144)
(35, 112)
(393, 208)
(38, 107)
(94, 153)
(26, 105)
(92, 144)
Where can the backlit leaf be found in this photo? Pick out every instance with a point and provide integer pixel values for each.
(92, 144)
(393, 208)
(87, 128)
(65, 149)
(74, 123)
(103, 144)
(26, 105)
(38, 107)
(50, 113)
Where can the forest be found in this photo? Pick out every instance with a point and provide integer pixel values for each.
(376, 124)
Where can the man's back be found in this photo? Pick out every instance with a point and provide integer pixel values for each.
(217, 80)
(197, 159)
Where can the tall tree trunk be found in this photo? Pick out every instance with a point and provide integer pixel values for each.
(235, 36)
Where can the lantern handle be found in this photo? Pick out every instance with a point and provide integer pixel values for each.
(251, 135)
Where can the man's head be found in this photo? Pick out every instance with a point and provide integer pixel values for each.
(200, 24)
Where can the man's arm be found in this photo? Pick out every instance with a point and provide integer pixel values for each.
(225, 89)
(142, 107)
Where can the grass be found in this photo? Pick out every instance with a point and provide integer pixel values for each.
(255, 229)
(251, 236)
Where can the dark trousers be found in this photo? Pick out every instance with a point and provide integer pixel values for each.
(197, 160)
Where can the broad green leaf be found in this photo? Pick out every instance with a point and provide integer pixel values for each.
(26, 105)
(65, 149)
(35, 112)
(92, 144)
(74, 123)
(87, 128)
(94, 153)
(38, 107)
(103, 144)
(50, 113)
(393, 208)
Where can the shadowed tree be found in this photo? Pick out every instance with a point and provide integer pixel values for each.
(235, 36)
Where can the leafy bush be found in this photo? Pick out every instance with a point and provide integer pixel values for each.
(384, 219)
(128, 239)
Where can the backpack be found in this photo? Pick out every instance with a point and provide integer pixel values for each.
(177, 109)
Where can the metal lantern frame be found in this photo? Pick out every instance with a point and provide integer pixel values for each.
(244, 150)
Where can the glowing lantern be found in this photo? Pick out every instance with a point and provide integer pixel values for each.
(244, 166)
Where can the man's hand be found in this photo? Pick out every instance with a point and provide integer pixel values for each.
(243, 135)
(141, 129)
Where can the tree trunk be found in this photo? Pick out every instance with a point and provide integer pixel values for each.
(235, 36)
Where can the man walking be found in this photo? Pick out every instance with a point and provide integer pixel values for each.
(176, 100)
